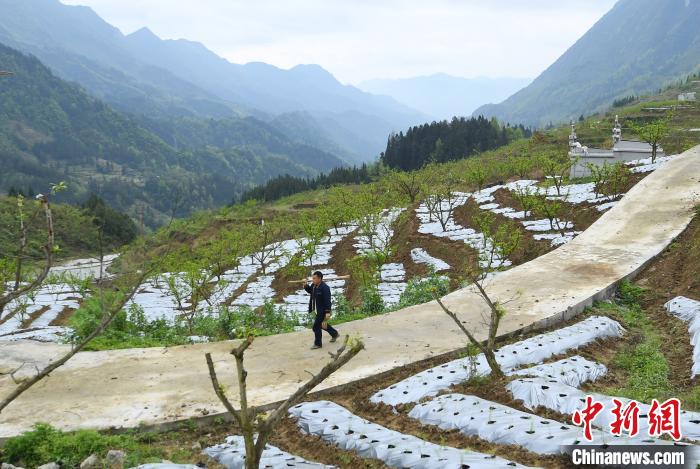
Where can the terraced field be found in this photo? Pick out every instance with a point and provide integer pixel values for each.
(433, 229)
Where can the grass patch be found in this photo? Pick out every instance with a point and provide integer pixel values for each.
(45, 444)
(646, 368)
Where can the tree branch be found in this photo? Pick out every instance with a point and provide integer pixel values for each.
(339, 359)
(48, 249)
(454, 317)
(219, 390)
(25, 385)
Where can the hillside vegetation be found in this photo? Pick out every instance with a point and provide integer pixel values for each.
(516, 159)
(233, 271)
(52, 130)
(76, 227)
(637, 47)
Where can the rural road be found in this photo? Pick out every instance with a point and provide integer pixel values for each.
(128, 388)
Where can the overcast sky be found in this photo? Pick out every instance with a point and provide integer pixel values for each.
(358, 40)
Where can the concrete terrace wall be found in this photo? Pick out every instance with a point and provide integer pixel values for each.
(128, 388)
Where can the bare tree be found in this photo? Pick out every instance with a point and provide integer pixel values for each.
(408, 184)
(249, 419)
(267, 243)
(445, 200)
(499, 243)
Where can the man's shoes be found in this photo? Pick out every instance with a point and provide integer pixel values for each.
(333, 339)
(316, 346)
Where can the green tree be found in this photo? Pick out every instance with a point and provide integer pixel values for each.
(557, 168)
(652, 133)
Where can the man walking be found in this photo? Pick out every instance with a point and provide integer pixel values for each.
(320, 303)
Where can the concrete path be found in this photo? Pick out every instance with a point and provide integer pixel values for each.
(126, 388)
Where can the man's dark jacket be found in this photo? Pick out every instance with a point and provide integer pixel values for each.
(320, 298)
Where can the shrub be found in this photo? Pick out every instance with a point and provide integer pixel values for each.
(630, 294)
(421, 290)
(45, 444)
(372, 302)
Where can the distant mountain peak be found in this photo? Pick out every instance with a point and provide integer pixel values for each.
(313, 71)
(144, 33)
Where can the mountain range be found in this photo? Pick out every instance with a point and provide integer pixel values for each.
(442, 96)
(167, 126)
(142, 74)
(638, 47)
(52, 130)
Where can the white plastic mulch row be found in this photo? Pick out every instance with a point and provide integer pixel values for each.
(260, 290)
(485, 195)
(54, 298)
(557, 239)
(368, 242)
(392, 283)
(689, 311)
(392, 276)
(576, 194)
(430, 224)
(565, 399)
(573, 371)
(421, 256)
(231, 280)
(646, 166)
(543, 225)
(84, 268)
(156, 300)
(529, 351)
(232, 456)
(166, 465)
(500, 424)
(338, 426)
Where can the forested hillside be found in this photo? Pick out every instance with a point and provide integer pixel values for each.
(637, 47)
(51, 130)
(438, 142)
(447, 141)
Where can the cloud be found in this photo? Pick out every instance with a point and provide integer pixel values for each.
(363, 39)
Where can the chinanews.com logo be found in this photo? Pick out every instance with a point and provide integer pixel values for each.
(646, 424)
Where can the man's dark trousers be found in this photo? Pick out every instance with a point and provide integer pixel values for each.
(317, 329)
(320, 303)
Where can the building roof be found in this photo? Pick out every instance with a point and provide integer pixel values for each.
(632, 145)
